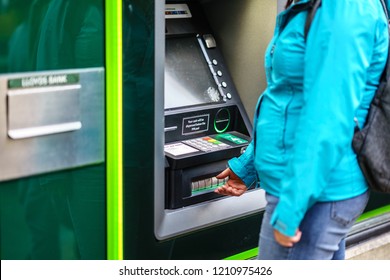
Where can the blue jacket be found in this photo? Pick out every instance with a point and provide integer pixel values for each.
(304, 124)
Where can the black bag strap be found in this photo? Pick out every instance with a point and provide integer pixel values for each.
(386, 73)
(296, 9)
(315, 4)
(385, 9)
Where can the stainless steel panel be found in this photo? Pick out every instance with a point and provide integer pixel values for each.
(39, 111)
(49, 123)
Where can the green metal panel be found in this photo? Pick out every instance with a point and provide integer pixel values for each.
(374, 213)
(59, 215)
(138, 128)
(247, 255)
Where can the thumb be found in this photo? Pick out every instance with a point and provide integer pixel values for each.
(297, 236)
(223, 174)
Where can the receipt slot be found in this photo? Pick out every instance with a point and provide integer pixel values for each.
(205, 126)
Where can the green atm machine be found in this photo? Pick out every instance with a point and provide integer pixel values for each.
(115, 117)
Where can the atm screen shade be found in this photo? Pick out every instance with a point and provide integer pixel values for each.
(188, 79)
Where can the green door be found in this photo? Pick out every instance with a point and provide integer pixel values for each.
(59, 211)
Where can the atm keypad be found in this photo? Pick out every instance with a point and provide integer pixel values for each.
(206, 144)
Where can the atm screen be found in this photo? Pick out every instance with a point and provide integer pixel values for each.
(188, 80)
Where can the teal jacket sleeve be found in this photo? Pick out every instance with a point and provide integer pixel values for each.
(338, 53)
(243, 166)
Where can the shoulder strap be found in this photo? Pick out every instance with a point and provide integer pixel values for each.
(386, 72)
(296, 9)
(315, 4)
(385, 9)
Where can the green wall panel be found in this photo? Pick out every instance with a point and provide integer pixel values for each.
(59, 215)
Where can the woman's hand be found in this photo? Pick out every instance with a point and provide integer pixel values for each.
(287, 241)
(234, 186)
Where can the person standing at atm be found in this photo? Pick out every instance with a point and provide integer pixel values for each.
(317, 90)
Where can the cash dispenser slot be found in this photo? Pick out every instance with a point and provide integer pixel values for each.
(194, 184)
(202, 185)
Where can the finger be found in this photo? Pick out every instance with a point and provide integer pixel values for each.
(297, 237)
(231, 191)
(238, 192)
(285, 242)
(228, 189)
(239, 188)
(221, 190)
(223, 174)
(225, 190)
(288, 244)
(237, 185)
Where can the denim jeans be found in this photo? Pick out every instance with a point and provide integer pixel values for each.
(323, 228)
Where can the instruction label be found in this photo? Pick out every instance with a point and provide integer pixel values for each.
(196, 124)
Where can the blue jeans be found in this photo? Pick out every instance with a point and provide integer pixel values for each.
(324, 229)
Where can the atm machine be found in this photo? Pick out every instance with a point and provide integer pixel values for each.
(205, 122)
(205, 126)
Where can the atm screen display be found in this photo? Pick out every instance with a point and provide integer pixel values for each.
(188, 79)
